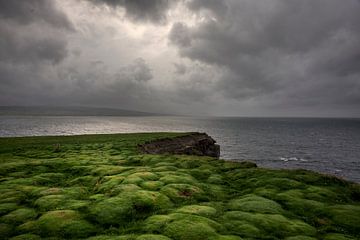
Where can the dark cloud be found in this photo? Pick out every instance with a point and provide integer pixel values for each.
(33, 40)
(32, 31)
(284, 52)
(219, 8)
(26, 12)
(70, 86)
(142, 10)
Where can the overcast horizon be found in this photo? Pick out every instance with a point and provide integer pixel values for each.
(191, 57)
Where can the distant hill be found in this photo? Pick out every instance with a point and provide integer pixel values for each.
(68, 111)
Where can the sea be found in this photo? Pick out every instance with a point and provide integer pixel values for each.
(330, 146)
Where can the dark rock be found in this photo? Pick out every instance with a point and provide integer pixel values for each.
(199, 144)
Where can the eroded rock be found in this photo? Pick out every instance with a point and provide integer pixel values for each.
(199, 144)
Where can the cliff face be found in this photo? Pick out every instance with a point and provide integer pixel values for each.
(199, 144)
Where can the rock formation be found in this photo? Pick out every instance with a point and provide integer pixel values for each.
(199, 144)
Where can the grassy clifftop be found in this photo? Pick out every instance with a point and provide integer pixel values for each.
(100, 187)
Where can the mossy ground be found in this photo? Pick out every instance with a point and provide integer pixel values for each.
(101, 187)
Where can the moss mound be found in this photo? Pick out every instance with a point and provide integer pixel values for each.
(26, 237)
(253, 203)
(65, 223)
(20, 215)
(273, 224)
(204, 211)
(152, 237)
(130, 205)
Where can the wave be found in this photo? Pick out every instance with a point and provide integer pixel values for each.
(286, 159)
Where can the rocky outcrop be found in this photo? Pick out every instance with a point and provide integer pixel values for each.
(199, 144)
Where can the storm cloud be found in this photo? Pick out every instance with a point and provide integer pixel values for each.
(142, 10)
(231, 57)
(289, 52)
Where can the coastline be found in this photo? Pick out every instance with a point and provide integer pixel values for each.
(105, 189)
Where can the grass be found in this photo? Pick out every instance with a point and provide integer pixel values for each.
(100, 187)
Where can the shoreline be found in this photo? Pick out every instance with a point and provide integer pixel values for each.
(100, 187)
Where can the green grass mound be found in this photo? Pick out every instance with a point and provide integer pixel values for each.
(227, 237)
(99, 187)
(152, 185)
(183, 192)
(20, 215)
(186, 229)
(300, 238)
(337, 236)
(347, 216)
(7, 207)
(26, 237)
(106, 237)
(204, 211)
(59, 202)
(152, 237)
(5, 230)
(273, 224)
(130, 205)
(253, 203)
(64, 223)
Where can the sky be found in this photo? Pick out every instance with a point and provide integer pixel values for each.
(194, 57)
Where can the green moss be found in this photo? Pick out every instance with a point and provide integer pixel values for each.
(300, 238)
(165, 169)
(110, 182)
(152, 237)
(84, 181)
(320, 194)
(123, 188)
(274, 224)
(106, 237)
(7, 207)
(242, 228)
(201, 174)
(183, 192)
(146, 201)
(337, 236)
(347, 216)
(65, 223)
(227, 237)
(5, 230)
(184, 178)
(149, 176)
(152, 185)
(26, 237)
(49, 178)
(20, 215)
(29, 226)
(59, 202)
(198, 210)
(189, 230)
(106, 170)
(99, 186)
(253, 203)
(112, 211)
(12, 196)
(133, 180)
(120, 209)
(156, 223)
(215, 179)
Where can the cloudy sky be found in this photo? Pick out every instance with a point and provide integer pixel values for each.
(201, 57)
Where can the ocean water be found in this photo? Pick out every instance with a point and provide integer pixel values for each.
(326, 145)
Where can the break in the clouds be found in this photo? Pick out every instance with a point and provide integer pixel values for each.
(230, 57)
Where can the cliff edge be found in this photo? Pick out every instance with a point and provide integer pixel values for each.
(199, 144)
